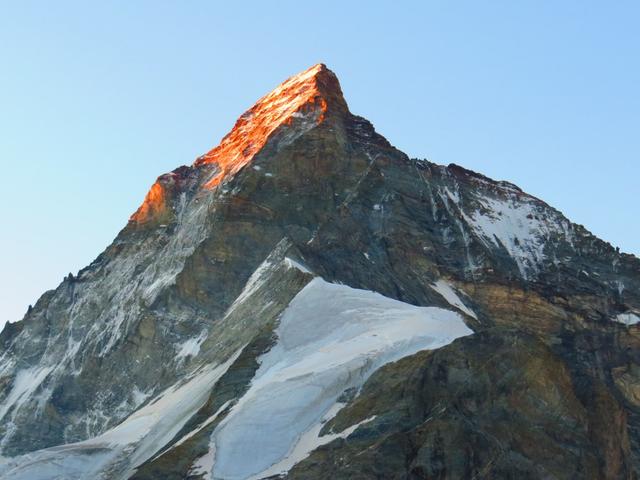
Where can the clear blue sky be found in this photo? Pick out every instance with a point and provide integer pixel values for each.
(99, 98)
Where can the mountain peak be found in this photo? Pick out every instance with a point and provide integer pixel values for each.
(307, 293)
(303, 100)
(298, 104)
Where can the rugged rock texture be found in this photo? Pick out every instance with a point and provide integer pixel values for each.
(149, 357)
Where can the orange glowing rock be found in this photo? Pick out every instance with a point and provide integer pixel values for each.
(299, 103)
(302, 96)
(154, 203)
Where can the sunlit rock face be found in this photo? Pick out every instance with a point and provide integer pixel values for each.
(300, 103)
(306, 301)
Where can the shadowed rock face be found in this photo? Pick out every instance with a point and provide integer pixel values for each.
(548, 386)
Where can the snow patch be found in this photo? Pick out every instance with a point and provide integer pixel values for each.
(208, 421)
(330, 338)
(257, 278)
(293, 264)
(133, 441)
(308, 442)
(204, 465)
(450, 295)
(139, 396)
(25, 383)
(191, 347)
(627, 318)
(262, 273)
(516, 226)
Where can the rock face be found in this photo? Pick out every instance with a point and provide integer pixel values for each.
(306, 301)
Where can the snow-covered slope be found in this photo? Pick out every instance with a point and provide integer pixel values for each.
(329, 340)
(118, 451)
(504, 218)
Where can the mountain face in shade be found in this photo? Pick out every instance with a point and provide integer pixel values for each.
(307, 302)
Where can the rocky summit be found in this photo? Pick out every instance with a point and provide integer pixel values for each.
(307, 302)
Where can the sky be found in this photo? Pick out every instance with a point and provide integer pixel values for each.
(99, 98)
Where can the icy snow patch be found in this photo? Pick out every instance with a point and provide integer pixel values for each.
(258, 277)
(514, 225)
(191, 347)
(25, 384)
(264, 270)
(139, 396)
(627, 318)
(204, 465)
(308, 442)
(330, 338)
(207, 422)
(293, 264)
(450, 295)
(135, 440)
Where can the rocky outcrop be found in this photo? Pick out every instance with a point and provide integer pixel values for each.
(498, 404)
(152, 361)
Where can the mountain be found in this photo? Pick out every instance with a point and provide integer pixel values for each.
(306, 301)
